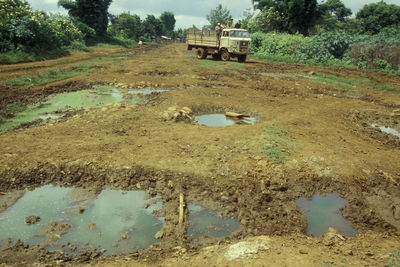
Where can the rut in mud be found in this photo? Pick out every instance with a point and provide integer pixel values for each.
(306, 137)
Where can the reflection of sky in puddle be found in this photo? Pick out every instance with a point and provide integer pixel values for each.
(115, 213)
(220, 120)
(323, 212)
(203, 223)
(147, 91)
(101, 96)
(387, 130)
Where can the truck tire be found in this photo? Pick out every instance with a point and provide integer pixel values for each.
(201, 53)
(241, 58)
(225, 55)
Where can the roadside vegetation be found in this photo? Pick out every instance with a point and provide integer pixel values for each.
(276, 144)
(27, 35)
(327, 35)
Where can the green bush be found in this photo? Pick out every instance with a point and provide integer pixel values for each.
(381, 51)
(274, 44)
(27, 35)
(326, 46)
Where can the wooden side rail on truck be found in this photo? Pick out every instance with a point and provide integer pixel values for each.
(198, 38)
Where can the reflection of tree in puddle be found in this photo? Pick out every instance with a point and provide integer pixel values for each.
(117, 218)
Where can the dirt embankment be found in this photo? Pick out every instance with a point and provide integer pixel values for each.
(329, 146)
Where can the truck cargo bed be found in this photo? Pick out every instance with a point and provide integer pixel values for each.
(198, 38)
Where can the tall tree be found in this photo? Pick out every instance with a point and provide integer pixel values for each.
(126, 25)
(298, 15)
(336, 8)
(218, 15)
(168, 21)
(93, 13)
(376, 16)
(152, 26)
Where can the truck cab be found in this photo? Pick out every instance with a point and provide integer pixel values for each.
(237, 41)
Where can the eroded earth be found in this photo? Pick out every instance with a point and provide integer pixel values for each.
(315, 134)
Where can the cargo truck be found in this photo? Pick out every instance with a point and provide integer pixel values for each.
(233, 43)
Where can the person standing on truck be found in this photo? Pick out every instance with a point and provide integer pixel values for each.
(230, 23)
(218, 30)
(238, 25)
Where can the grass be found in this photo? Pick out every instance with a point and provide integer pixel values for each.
(332, 80)
(234, 64)
(10, 110)
(278, 76)
(276, 144)
(52, 75)
(348, 83)
(394, 260)
(345, 83)
(210, 64)
(58, 74)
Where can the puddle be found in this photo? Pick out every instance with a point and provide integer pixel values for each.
(220, 120)
(98, 97)
(203, 223)
(323, 212)
(147, 91)
(115, 220)
(387, 130)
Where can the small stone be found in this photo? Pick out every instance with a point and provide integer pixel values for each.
(92, 226)
(159, 234)
(124, 237)
(348, 252)
(302, 251)
(32, 219)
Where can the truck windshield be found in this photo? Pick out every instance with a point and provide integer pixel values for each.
(244, 34)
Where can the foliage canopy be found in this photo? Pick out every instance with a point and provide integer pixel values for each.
(93, 13)
(218, 15)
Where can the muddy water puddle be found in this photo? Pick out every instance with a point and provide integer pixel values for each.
(220, 120)
(57, 105)
(387, 130)
(116, 221)
(323, 212)
(204, 223)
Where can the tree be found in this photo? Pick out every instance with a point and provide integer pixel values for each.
(297, 15)
(266, 21)
(248, 14)
(27, 30)
(336, 8)
(126, 25)
(374, 17)
(218, 15)
(93, 13)
(168, 21)
(152, 26)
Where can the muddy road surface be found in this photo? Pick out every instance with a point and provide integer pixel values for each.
(315, 131)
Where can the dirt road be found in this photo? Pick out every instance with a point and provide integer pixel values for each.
(324, 118)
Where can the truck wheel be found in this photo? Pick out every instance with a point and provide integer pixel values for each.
(242, 58)
(201, 53)
(225, 56)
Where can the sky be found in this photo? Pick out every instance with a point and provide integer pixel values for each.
(186, 12)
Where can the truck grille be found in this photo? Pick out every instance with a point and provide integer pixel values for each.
(243, 46)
